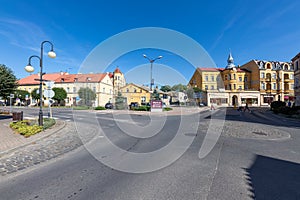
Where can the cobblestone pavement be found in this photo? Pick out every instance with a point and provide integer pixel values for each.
(59, 143)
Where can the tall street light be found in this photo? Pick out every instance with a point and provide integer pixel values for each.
(151, 61)
(30, 69)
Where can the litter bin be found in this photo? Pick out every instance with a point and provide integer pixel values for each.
(17, 116)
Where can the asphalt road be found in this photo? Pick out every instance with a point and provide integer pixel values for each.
(237, 167)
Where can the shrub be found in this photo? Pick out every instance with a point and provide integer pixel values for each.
(141, 108)
(48, 122)
(100, 108)
(167, 109)
(24, 128)
(277, 104)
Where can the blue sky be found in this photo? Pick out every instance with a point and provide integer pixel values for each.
(267, 30)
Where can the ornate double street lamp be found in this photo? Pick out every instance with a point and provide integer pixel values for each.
(151, 61)
(29, 68)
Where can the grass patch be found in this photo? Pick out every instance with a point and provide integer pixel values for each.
(100, 108)
(167, 109)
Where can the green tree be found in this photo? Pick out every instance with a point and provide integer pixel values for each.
(120, 102)
(60, 95)
(21, 94)
(87, 96)
(34, 94)
(166, 88)
(8, 81)
(179, 87)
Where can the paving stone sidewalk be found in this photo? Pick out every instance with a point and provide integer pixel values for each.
(42, 149)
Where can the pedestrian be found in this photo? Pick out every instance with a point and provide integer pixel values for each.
(212, 107)
(247, 108)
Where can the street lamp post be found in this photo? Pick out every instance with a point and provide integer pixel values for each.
(151, 66)
(30, 69)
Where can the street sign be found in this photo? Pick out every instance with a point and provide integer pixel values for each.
(49, 93)
(49, 84)
(12, 96)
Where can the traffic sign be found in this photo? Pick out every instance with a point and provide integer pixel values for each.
(49, 93)
(49, 84)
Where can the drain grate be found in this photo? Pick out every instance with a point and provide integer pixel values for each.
(191, 134)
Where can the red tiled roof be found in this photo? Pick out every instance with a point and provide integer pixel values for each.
(90, 77)
(66, 78)
(29, 80)
(117, 70)
(62, 77)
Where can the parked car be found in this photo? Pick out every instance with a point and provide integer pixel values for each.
(109, 106)
(133, 105)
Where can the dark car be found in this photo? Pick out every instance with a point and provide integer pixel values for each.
(109, 106)
(133, 105)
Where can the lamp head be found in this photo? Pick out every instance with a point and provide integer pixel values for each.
(51, 54)
(29, 68)
(144, 55)
(159, 57)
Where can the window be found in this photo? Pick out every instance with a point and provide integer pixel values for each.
(240, 87)
(263, 86)
(292, 86)
(110, 91)
(143, 99)
(229, 87)
(229, 77)
(296, 65)
(274, 86)
(127, 90)
(94, 89)
(206, 78)
(240, 79)
(75, 79)
(246, 79)
(206, 87)
(274, 75)
(212, 87)
(102, 89)
(74, 89)
(291, 76)
(234, 86)
(234, 77)
(212, 78)
(225, 77)
(134, 90)
(68, 89)
(262, 75)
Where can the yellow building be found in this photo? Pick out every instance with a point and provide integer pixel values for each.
(296, 64)
(206, 79)
(135, 93)
(274, 80)
(229, 86)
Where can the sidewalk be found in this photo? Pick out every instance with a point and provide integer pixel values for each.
(10, 140)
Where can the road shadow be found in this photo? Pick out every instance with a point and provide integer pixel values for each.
(261, 116)
(2, 117)
(271, 179)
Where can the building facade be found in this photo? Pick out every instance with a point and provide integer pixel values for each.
(135, 93)
(274, 80)
(296, 64)
(100, 83)
(229, 86)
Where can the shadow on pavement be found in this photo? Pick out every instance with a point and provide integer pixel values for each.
(272, 179)
(2, 117)
(260, 116)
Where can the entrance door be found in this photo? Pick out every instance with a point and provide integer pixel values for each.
(234, 100)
